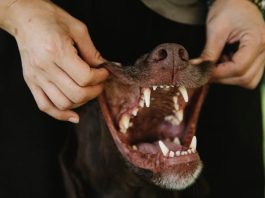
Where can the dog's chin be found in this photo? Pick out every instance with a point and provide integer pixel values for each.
(174, 180)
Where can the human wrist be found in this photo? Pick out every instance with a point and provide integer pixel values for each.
(16, 13)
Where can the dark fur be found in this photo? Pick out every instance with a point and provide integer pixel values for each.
(93, 167)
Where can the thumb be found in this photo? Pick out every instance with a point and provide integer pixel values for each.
(215, 42)
(86, 47)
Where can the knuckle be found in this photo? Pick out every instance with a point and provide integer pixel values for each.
(239, 71)
(81, 97)
(85, 80)
(65, 106)
(244, 82)
(60, 116)
(44, 107)
(81, 28)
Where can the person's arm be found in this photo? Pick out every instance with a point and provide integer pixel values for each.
(231, 21)
(57, 76)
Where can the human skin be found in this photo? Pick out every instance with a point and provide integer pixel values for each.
(49, 40)
(231, 21)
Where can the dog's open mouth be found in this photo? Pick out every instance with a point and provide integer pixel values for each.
(153, 124)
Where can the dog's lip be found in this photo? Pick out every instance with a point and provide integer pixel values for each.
(154, 162)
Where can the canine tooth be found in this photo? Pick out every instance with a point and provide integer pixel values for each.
(176, 141)
(175, 100)
(179, 115)
(163, 148)
(184, 93)
(193, 143)
(141, 103)
(177, 153)
(134, 148)
(147, 94)
(124, 123)
(135, 111)
(171, 154)
(154, 88)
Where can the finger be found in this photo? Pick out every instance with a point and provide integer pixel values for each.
(246, 80)
(56, 96)
(255, 81)
(75, 93)
(46, 106)
(241, 60)
(85, 45)
(215, 42)
(79, 70)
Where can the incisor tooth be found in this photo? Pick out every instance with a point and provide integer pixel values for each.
(176, 141)
(193, 143)
(124, 123)
(184, 93)
(171, 154)
(177, 153)
(154, 88)
(147, 94)
(135, 111)
(163, 148)
(176, 105)
(141, 103)
(179, 115)
(134, 147)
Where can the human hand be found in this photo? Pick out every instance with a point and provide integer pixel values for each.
(231, 21)
(48, 39)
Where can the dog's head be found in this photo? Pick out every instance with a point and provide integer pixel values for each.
(151, 110)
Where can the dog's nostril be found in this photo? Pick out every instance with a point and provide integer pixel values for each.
(161, 55)
(183, 56)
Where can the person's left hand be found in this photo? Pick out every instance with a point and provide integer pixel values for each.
(231, 21)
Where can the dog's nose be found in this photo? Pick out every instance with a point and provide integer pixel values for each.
(169, 55)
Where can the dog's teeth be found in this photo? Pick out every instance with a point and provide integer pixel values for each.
(193, 144)
(171, 154)
(134, 147)
(179, 115)
(154, 88)
(184, 153)
(177, 153)
(147, 94)
(135, 111)
(189, 151)
(176, 105)
(176, 141)
(184, 93)
(124, 123)
(141, 103)
(163, 148)
(161, 86)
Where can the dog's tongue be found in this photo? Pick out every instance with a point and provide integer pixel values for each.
(154, 148)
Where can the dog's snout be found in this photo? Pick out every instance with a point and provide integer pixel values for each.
(160, 55)
(169, 55)
(183, 55)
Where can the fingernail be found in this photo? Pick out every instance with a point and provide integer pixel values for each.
(74, 120)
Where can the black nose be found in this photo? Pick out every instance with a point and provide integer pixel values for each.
(170, 54)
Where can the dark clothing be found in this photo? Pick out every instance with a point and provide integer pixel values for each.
(229, 131)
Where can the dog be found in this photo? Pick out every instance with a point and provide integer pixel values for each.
(138, 139)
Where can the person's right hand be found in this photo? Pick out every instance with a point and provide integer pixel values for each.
(48, 39)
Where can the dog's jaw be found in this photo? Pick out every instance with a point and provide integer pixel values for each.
(174, 168)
